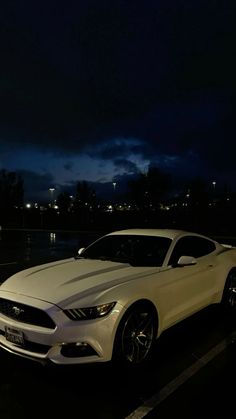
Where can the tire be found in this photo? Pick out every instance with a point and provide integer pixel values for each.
(229, 294)
(136, 335)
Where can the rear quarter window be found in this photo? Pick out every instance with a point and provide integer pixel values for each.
(192, 246)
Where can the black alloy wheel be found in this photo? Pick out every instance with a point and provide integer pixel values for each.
(136, 335)
(229, 295)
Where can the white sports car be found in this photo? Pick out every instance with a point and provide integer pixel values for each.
(116, 297)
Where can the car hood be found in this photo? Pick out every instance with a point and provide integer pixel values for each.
(63, 282)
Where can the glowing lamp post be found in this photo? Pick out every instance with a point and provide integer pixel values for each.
(51, 191)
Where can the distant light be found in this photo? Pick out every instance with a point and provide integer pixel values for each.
(28, 205)
(51, 191)
(109, 208)
(52, 237)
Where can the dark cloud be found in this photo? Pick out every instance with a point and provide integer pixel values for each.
(127, 165)
(68, 166)
(76, 76)
(116, 148)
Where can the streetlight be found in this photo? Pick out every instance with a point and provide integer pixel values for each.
(51, 191)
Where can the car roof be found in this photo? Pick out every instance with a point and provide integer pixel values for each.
(158, 232)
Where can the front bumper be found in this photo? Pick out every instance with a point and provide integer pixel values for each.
(70, 342)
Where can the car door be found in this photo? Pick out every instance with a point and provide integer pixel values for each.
(187, 289)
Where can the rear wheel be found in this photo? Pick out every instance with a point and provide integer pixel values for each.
(229, 295)
(136, 335)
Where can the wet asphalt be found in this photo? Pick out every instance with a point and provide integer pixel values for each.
(209, 394)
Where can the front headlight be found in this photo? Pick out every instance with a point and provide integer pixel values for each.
(89, 313)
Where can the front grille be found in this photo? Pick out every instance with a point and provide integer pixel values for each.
(25, 314)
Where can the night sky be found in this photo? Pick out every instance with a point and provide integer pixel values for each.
(100, 90)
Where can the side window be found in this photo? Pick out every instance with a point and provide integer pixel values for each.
(191, 246)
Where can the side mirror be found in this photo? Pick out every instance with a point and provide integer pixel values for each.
(186, 261)
(80, 251)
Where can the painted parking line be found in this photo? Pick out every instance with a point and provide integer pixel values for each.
(173, 385)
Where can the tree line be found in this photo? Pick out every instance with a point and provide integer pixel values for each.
(146, 193)
(145, 190)
(11, 190)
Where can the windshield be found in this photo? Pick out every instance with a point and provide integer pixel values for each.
(134, 249)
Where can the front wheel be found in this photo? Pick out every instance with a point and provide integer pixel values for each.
(136, 335)
(229, 295)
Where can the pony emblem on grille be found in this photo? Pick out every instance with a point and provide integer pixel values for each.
(17, 310)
